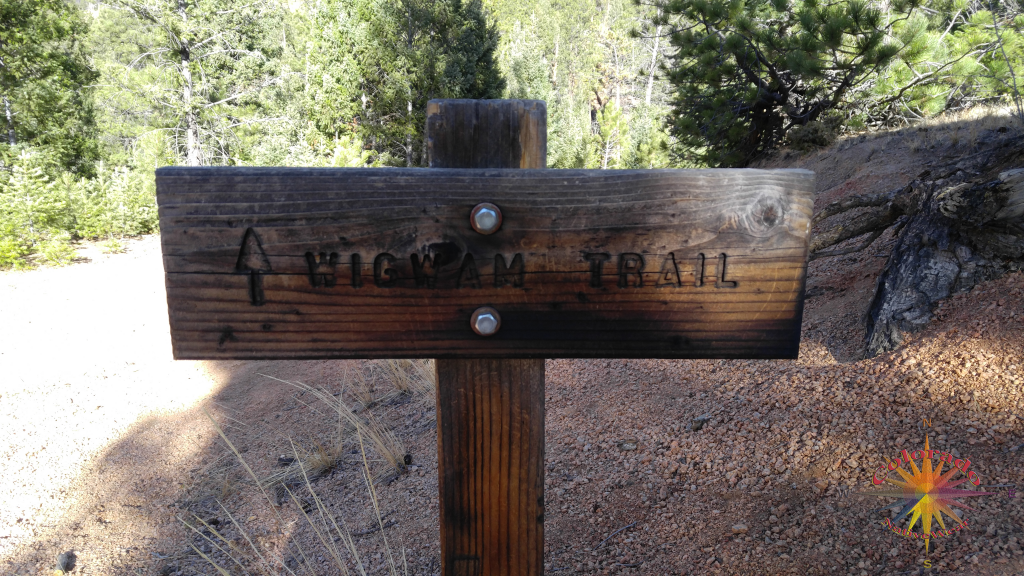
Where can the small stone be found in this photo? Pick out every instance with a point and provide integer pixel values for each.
(66, 561)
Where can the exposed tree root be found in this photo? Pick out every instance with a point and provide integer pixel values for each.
(951, 233)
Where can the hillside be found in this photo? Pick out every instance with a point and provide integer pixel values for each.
(713, 467)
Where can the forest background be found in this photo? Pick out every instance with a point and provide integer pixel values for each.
(97, 96)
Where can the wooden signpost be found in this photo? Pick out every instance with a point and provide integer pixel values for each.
(489, 263)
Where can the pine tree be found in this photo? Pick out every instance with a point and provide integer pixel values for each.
(204, 66)
(744, 73)
(378, 62)
(44, 78)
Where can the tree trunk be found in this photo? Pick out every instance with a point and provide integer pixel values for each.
(618, 100)
(654, 65)
(554, 69)
(193, 153)
(958, 237)
(11, 139)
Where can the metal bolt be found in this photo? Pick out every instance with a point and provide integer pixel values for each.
(485, 218)
(485, 321)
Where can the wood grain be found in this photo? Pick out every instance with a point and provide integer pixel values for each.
(490, 412)
(280, 263)
(491, 466)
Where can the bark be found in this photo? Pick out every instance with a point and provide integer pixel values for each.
(11, 138)
(193, 153)
(654, 66)
(8, 112)
(960, 236)
(618, 84)
(852, 202)
(888, 209)
(869, 222)
(554, 69)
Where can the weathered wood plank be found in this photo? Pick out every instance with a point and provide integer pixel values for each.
(491, 449)
(490, 412)
(627, 256)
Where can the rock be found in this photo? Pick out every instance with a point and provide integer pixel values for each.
(628, 445)
(66, 561)
(952, 239)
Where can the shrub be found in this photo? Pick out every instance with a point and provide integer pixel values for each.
(40, 216)
(115, 203)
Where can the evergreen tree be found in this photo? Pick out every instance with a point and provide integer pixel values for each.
(205, 66)
(376, 63)
(44, 78)
(744, 73)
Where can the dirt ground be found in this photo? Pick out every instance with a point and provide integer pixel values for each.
(739, 467)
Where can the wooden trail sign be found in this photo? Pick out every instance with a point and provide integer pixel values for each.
(382, 263)
(488, 263)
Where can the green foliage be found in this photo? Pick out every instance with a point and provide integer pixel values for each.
(197, 70)
(331, 83)
(40, 217)
(745, 73)
(652, 142)
(1000, 70)
(57, 250)
(525, 66)
(114, 203)
(32, 211)
(962, 54)
(45, 101)
(376, 63)
(584, 60)
(611, 139)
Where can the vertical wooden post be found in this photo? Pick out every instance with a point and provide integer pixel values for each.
(490, 412)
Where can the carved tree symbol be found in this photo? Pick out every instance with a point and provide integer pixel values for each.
(252, 259)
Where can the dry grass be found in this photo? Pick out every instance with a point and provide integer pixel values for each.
(362, 388)
(410, 376)
(961, 128)
(410, 379)
(387, 380)
(246, 555)
(389, 451)
(230, 550)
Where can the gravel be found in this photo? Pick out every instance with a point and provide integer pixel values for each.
(652, 467)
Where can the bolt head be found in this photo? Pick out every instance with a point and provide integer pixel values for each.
(485, 321)
(485, 218)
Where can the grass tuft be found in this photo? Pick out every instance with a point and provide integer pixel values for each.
(246, 556)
